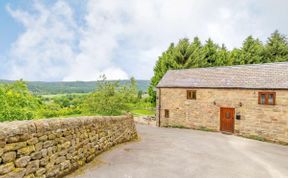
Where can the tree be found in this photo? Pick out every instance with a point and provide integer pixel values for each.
(130, 91)
(195, 58)
(276, 48)
(105, 100)
(139, 95)
(209, 54)
(110, 98)
(222, 57)
(234, 57)
(252, 51)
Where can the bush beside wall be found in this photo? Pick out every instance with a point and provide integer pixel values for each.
(55, 147)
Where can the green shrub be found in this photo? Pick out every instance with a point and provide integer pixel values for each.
(108, 99)
(17, 103)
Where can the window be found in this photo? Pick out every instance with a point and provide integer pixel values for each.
(267, 98)
(166, 113)
(227, 115)
(191, 94)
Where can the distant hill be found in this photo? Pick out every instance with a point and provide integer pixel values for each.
(46, 88)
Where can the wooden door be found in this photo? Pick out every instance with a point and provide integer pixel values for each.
(227, 119)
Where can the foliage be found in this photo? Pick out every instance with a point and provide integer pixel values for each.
(140, 94)
(130, 91)
(143, 112)
(142, 107)
(17, 103)
(185, 55)
(54, 110)
(252, 51)
(276, 48)
(63, 105)
(110, 98)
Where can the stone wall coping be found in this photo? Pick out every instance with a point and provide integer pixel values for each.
(13, 128)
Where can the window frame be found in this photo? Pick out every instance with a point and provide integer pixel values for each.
(266, 102)
(191, 94)
(166, 113)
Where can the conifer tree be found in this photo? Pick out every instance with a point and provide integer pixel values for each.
(251, 51)
(195, 58)
(222, 57)
(209, 54)
(234, 57)
(276, 49)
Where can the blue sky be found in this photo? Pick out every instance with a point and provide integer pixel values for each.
(81, 39)
(9, 29)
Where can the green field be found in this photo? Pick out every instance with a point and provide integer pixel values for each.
(63, 95)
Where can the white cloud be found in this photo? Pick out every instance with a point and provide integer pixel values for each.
(124, 38)
(53, 47)
(46, 45)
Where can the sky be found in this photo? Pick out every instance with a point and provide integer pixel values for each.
(68, 40)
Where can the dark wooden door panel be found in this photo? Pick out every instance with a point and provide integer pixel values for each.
(227, 119)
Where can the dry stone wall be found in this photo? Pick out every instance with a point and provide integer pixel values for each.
(55, 147)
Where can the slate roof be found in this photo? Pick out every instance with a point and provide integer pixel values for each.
(254, 76)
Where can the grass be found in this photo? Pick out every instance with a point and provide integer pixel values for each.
(206, 129)
(143, 112)
(256, 137)
(184, 127)
(177, 126)
(262, 139)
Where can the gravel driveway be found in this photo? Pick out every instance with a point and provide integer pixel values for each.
(169, 153)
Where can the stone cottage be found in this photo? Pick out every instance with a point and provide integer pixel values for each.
(250, 100)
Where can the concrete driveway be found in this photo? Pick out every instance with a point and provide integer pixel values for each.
(169, 153)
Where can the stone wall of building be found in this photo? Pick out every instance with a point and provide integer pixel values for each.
(55, 147)
(266, 121)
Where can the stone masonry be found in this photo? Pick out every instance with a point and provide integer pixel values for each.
(266, 121)
(55, 147)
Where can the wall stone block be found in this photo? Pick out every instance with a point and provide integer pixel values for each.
(9, 156)
(22, 161)
(6, 168)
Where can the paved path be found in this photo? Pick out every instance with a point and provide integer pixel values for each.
(171, 153)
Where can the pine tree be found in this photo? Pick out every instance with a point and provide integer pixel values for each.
(276, 49)
(209, 54)
(234, 57)
(195, 58)
(222, 57)
(251, 51)
(181, 54)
